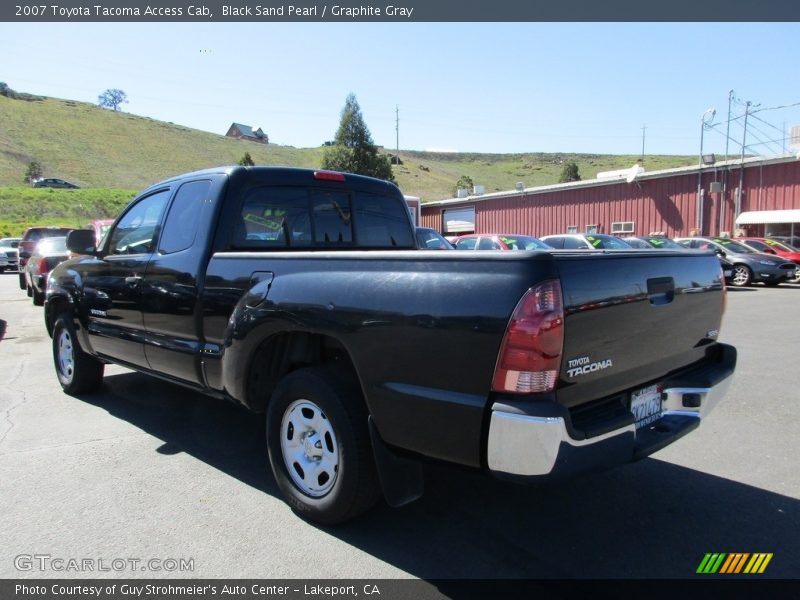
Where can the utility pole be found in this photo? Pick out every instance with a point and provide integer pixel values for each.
(727, 167)
(741, 166)
(644, 128)
(397, 130)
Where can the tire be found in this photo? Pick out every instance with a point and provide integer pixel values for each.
(22, 283)
(77, 372)
(319, 446)
(742, 276)
(29, 291)
(38, 297)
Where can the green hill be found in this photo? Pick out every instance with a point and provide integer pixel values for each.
(105, 150)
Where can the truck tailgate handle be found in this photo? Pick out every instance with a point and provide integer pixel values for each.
(660, 290)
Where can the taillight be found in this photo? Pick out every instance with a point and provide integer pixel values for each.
(530, 357)
(328, 175)
(42, 266)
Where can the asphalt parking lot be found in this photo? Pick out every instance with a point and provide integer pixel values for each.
(146, 470)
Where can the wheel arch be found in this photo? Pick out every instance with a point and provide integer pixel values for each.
(282, 353)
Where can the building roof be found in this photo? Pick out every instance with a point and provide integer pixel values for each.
(247, 131)
(620, 177)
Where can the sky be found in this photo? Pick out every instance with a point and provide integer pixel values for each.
(466, 87)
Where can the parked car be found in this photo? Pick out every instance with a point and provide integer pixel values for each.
(3, 262)
(749, 266)
(578, 241)
(770, 246)
(48, 253)
(664, 243)
(430, 239)
(9, 250)
(499, 241)
(28, 243)
(52, 182)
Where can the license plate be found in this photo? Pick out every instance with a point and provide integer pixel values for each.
(646, 405)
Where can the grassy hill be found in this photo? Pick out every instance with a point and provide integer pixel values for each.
(115, 153)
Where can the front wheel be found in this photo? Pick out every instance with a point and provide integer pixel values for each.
(77, 371)
(742, 275)
(319, 447)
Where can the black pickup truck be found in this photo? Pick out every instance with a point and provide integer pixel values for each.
(301, 294)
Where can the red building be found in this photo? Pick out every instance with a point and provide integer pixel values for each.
(678, 202)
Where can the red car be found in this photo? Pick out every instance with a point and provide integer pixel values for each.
(768, 246)
(499, 241)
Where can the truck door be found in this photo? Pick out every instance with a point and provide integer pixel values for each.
(112, 283)
(170, 287)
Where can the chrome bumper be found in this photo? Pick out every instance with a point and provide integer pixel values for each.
(528, 445)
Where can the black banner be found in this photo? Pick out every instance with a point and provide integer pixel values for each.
(383, 589)
(402, 11)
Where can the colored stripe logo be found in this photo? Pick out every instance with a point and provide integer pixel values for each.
(734, 563)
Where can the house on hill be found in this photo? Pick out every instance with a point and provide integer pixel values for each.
(245, 132)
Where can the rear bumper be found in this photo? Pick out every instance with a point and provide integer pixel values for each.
(532, 440)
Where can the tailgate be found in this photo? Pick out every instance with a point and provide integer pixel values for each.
(632, 318)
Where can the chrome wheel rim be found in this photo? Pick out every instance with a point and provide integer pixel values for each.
(309, 448)
(65, 356)
(740, 276)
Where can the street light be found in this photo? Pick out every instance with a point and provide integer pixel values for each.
(703, 126)
(710, 112)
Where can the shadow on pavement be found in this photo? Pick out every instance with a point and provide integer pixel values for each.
(651, 519)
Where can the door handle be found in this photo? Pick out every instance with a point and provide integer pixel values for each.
(133, 281)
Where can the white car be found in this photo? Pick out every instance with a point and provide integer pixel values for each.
(9, 255)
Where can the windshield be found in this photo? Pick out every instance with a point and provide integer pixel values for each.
(731, 246)
(607, 242)
(523, 242)
(665, 243)
(771, 243)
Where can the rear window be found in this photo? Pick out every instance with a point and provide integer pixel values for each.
(52, 245)
(296, 217)
(34, 235)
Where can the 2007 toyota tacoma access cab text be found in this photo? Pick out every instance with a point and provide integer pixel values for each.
(301, 294)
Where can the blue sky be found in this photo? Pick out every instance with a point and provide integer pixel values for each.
(480, 87)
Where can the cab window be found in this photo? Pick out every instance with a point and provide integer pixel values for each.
(136, 231)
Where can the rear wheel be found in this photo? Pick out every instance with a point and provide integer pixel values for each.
(22, 283)
(742, 275)
(77, 371)
(38, 297)
(319, 446)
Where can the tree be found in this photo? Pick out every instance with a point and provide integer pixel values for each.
(464, 183)
(353, 150)
(569, 173)
(112, 98)
(34, 171)
(247, 160)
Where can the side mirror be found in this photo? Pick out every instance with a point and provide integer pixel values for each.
(81, 241)
(769, 251)
(717, 251)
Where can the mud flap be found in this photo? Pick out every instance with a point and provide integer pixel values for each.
(402, 480)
